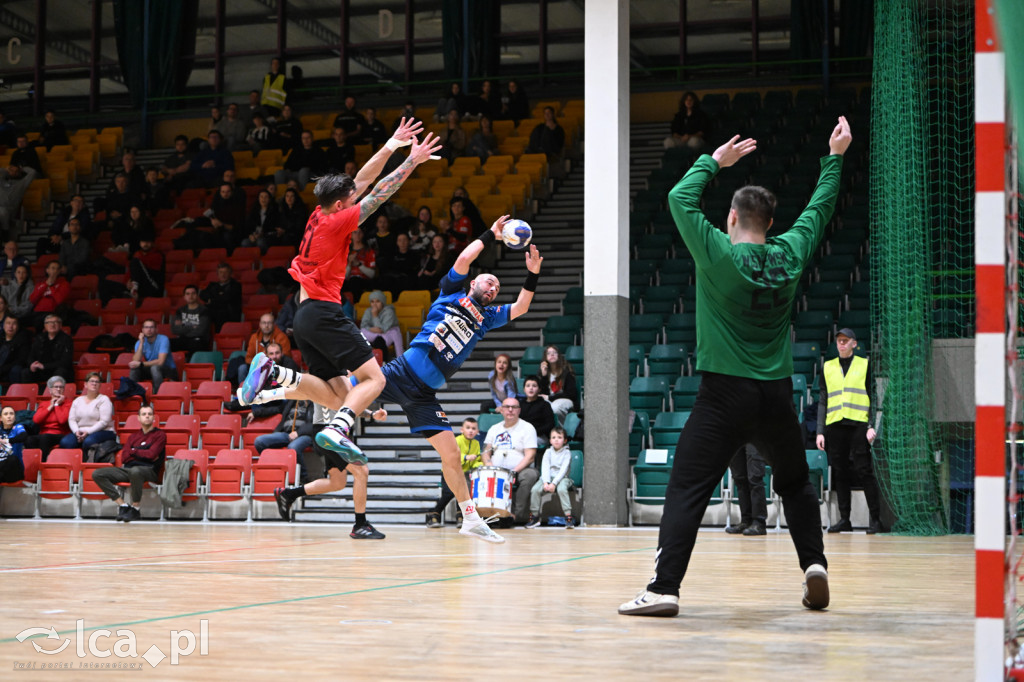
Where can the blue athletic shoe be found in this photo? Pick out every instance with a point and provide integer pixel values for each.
(335, 440)
(258, 377)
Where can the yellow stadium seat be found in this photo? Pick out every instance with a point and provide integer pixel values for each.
(363, 153)
(244, 159)
(478, 192)
(32, 137)
(444, 186)
(63, 151)
(85, 166)
(487, 179)
(419, 298)
(496, 205)
(535, 170)
(61, 183)
(44, 160)
(533, 158)
(269, 157)
(503, 129)
(527, 125)
(312, 121)
(412, 313)
(110, 147)
(36, 202)
(415, 186)
(247, 172)
(470, 162)
(433, 169)
(117, 131)
(513, 146)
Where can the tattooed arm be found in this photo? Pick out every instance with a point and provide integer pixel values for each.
(407, 130)
(420, 152)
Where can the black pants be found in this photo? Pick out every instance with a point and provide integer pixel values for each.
(446, 495)
(12, 470)
(730, 412)
(44, 442)
(747, 469)
(847, 446)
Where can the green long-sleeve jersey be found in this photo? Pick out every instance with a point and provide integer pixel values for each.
(745, 291)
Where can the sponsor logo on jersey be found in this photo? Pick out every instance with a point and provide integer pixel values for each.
(467, 303)
(459, 327)
(441, 415)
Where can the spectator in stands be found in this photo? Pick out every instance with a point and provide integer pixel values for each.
(361, 270)
(451, 100)
(747, 468)
(375, 133)
(233, 127)
(469, 451)
(422, 231)
(8, 131)
(48, 297)
(285, 320)
(487, 103)
(690, 125)
(142, 457)
(558, 382)
(227, 215)
(258, 136)
(338, 151)
(276, 353)
(287, 129)
(453, 137)
(400, 273)
(15, 344)
(91, 419)
(4, 310)
(461, 230)
(52, 352)
(117, 202)
(274, 93)
(157, 192)
(436, 263)
(266, 334)
(136, 177)
(295, 431)
(535, 409)
(21, 170)
(304, 162)
(191, 324)
(216, 116)
(484, 143)
(554, 478)
(350, 119)
(59, 228)
(51, 132)
(380, 324)
(408, 112)
(127, 234)
(51, 418)
(253, 109)
(512, 444)
(146, 269)
(209, 165)
(469, 209)
(12, 441)
(293, 217)
(224, 297)
(176, 166)
(547, 137)
(502, 383)
(74, 251)
(383, 240)
(153, 360)
(18, 293)
(10, 261)
(262, 221)
(514, 104)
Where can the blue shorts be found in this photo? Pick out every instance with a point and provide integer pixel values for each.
(416, 398)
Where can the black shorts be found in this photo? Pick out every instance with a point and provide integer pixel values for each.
(331, 459)
(418, 400)
(331, 343)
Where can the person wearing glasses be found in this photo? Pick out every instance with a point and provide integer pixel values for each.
(51, 418)
(91, 419)
(153, 360)
(512, 444)
(52, 353)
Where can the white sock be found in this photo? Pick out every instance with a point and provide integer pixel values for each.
(469, 510)
(269, 395)
(343, 420)
(286, 378)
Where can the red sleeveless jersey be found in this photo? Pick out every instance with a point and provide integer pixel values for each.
(323, 253)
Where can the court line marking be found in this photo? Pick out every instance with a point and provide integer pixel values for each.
(293, 600)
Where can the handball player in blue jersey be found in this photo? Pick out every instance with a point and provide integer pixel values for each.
(456, 321)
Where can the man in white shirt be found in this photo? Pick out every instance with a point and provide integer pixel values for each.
(512, 445)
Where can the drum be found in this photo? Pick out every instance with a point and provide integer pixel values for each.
(491, 488)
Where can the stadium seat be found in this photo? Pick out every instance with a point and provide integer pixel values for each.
(487, 420)
(173, 397)
(562, 331)
(666, 428)
(228, 476)
(681, 328)
(206, 357)
(275, 468)
(684, 393)
(259, 427)
(530, 361)
(209, 398)
(221, 428)
(667, 359)
(58, 476)
(118, 311)
(645, 330)
(650, 476)
(197, 474)
(648, 394)
(574, 356)
(183, 422)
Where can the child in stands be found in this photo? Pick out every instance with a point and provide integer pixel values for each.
(554, 478)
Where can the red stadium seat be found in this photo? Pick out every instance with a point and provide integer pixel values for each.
(275, 468)
(228, 475)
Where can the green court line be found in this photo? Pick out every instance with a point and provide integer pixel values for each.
(335, 594)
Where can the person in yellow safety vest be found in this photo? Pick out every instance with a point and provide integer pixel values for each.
(844, 431)
(273, 96)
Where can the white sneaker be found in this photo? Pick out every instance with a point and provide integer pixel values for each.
(816, 587)
(481, 531)
(651, 604)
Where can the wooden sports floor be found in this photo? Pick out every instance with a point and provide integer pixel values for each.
(306, 602)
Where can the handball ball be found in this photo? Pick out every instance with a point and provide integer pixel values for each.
(517, 234)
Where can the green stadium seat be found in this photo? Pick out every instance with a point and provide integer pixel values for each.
(572, 304)
(667, 359)
(799, 391)
(812, 325)
(667, 427)
(650, 479)
(571, 424)
(574, 356)
(529, 363)
(562, 331)
(684, 393)
(671, 276)
(639, 434)
(215, 357)
(661, 300)
(645, 329)
(681, 328)
(636, 353)
(487, 420)
(648, 394)
(576, 468)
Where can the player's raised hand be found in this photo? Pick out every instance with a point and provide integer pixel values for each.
(733, 150)
(405, 133)
(423, 150)
(840, 140)
(533, 260)
(499, 226)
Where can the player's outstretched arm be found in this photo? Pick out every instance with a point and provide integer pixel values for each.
(840, 140)
(522, 304)
(477, 246)
(733, 150)
(420, 152)
(404, 134)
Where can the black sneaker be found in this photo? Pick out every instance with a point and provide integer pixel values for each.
(756, 528)
(122, 512)
(132, 514)
(433, 520)
(737, 529)
(284, 505)
(842, 526)
(533, 522)
(570, 522)
(875, 527)
(366, 532)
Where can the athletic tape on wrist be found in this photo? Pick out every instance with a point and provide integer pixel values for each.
(531, 281)
(392, 144)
